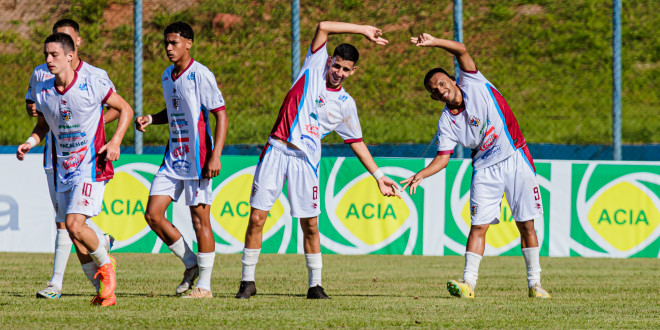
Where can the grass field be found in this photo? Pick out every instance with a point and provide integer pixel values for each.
(367, 291)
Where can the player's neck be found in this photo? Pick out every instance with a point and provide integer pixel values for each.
(75, 63)
(181, 65)
(457, 104)
(328, 85)
(64, 79)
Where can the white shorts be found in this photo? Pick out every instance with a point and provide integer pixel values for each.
(50, 178)
(196, 191)
(278, 165)
(84, 198)
(515, 177)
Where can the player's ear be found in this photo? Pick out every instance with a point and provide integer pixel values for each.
(353, 71)
(78, 42)
(188, 44)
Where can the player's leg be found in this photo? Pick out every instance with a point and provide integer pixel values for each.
(269, 178)
(485, 198)
(198, 197)
(313, 257)
(524, 196)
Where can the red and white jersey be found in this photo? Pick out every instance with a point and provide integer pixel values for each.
(189, 97)
(311, 111)
(41, 73)
(486, 124)
(75, 117)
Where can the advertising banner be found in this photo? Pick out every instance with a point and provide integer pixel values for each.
(591, 209)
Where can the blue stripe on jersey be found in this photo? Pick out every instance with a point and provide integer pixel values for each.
(92, 152)
(264, 156)
(527, 160)
(499, 111)
(302, 101)
(313, 167)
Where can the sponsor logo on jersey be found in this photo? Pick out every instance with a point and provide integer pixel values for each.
(65, 112)
(308, 142)
(492, 151)
(185, 139)
(73, 161)
(70, 177)
(181, 151)
(311, 129)
(474, 121)
(83, 202)
(68, 126)
(83, 86)
(313, 115)
(181, 131)
(489, 139)
(343, 98)
(181, 166)
(320, 102)
(179, 123)
(73, 144)
(191, 76)
(72, 135)
(64, 102)
(178, 115)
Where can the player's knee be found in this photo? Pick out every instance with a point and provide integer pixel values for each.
(526, 228)
(257, 220)
(151, 218)
(310, 227)
(478, 230)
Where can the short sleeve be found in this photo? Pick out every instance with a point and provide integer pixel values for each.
(316, 58)
(101, 88)
(104, 75)
(31, 91)
(211, 97)
(349, 128)
(471, 77)
(446, 138)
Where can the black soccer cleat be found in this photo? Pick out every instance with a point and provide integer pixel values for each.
(246, 290)
(316, 293)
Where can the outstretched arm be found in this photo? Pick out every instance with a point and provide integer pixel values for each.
(454, 47)
(387, 186)
(125, 116)
(437, 164)
(327, 28)
(221, 123)
(38, 133)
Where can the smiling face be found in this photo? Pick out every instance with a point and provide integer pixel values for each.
(57, 59)
(177, 47)
(444, 89)
(338, 70)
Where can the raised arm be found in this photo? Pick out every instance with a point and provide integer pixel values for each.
(125, 116)
(437, 164)
(221, 123)
(454, 47)
(387, 186)
(38, 133)
(327, 28)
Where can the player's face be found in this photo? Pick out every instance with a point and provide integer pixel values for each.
(176, 47)
(77, 40)
(57, 59)
(443, 89)
(339, 69)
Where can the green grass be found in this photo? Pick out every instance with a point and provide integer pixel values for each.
(367, 291)
(550, 59)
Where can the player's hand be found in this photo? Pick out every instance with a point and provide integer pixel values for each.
(22, 150)
(141, 122)
(374, 34)
(413, 182)
(423, 40)
(388, 187)
(112, 151)
(31, 109)
(213, 168)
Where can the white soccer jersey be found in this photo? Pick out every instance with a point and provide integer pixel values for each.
(311, 111)
(486, 124)
(189, 97)
(75, 117)
(41, 73)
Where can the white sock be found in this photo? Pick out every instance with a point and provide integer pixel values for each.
(531, 256)
(62, 252)
(471, 271)
(205, 261)
(103, 241)
(249, 260)
(90, 270)
(314, 265)
(100, 256)
(181, 249)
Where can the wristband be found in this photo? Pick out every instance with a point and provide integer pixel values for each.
(31, 141)
(149, 119)
(378, 174)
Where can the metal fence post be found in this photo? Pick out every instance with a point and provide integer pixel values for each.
(295, 39)
(458, 36)
(137, 71)
(616, 79)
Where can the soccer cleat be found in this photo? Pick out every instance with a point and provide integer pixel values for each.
(246, 290)
(198, 293)
(96, 301)
(113, 262)
(316, 292)
(189, 277)
(460, 289)
(50, 292)
(108, 279)
(110, 241)
(110, 301)
(536, 291)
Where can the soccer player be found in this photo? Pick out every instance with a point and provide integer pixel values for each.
(191, 158)
(62, 241)
(477, 116)
(315, 105)
(70, 104)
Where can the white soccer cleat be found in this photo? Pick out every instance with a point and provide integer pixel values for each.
(50, 292)
(189, 277)
(536, 291)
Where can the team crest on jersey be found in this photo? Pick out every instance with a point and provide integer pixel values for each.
(474, 121)
(82, 87)
(191, 76)
(65, 112)
(473, 210)
(175, 103)
(255, 187)
(320, 102)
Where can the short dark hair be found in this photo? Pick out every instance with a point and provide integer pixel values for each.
(66, 23)
(64, 39)
(182, 28)
(433, 71)
(347, 52)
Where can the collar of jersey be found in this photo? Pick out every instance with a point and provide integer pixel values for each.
(184, 70)
(75, 77)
